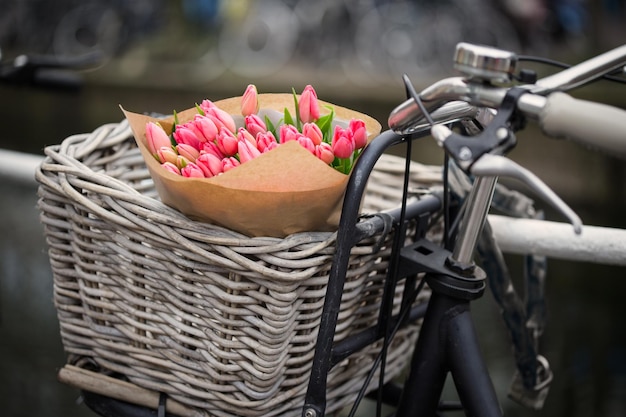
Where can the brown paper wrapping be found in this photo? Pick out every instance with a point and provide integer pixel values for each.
(284, 191)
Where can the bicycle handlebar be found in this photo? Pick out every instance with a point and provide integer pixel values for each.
(592, 124)
(597, 125)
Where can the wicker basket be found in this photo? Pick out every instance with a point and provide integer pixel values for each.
(222, 323)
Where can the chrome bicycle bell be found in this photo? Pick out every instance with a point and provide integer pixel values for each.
(484, 62)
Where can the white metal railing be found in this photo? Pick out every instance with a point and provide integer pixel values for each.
(517, 236)
(18, 166)
(595, 244)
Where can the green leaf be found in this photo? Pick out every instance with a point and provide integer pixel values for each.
(288, 118)
(172, 140)
(200, 111)
(325, 125)
(295, 103)
(270, 127)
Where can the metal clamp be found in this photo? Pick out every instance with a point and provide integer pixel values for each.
(533, 397)
(496, 137)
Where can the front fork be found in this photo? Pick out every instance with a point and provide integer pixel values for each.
(447, 341)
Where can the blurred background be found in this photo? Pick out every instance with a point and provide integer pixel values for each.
(160, 56)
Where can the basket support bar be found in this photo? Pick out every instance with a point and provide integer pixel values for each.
(120, 390)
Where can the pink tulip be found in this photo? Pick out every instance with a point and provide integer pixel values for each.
(166, 154)
(325, 152)
(210, 165)
(211, 147)
(185, 134)
(204, 127)
(171, 168)
(287, 133)
(313, 132)
(221, 118)
(182, 162)
(306, 143)
(187, 151)
(308, 106)
(230, 163)
(359, 133)
(247, 151)
(342, 143)
(266, 142)
(255, 125)
(243, 134)
(192, 170)
(226, 142)
(206, 105)
(156, 137)
(250, 101)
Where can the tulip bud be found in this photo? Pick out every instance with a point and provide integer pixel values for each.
(313, 132)
(226, 142)
(342, 143)
(185, 134)
(221, 118)
(266, 142)
(210, 165)
(325, 152)
(243, 134)
(287, 133)
(206, 105)
(171, 168)
(211, 147)
(230, 163)
(250, 101)
(306, 143)
(359, 133)
(192, 170)
(188, 152)
(166, 154)
(204, 127)
(247, 151)
(156, 137)
(182, 162)
(255, 125)
(308, 106)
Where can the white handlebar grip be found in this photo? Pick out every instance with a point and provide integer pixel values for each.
(591, 124)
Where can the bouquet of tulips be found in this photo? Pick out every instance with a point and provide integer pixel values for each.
(211, 143)
(259, 164)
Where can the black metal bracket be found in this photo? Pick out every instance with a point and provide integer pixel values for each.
(443, 276)
(498, 135)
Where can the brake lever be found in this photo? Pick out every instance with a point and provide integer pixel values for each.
(500, 166)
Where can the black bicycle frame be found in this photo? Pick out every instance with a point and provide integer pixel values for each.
(327, 354)
(447, 342)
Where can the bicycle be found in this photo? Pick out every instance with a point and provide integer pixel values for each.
(451, 273)
(447, 341)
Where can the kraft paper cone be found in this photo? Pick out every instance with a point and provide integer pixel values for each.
(284, 191)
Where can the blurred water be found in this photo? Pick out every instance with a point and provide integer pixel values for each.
(30, 346)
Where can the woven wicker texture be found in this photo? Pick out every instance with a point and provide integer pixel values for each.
(215, 319)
